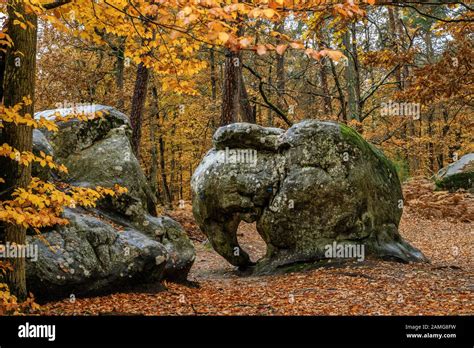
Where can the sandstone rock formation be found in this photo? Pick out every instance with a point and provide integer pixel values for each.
(118, 245)
(315, 184)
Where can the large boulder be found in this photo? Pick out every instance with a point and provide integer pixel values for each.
(91, 256)
(306, 188)
(98, 152)
(459, 174)
(119, 244)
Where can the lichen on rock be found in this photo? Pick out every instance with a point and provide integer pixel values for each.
(119, 244)
(314, 184)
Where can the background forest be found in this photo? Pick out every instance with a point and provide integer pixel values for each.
(403, 53)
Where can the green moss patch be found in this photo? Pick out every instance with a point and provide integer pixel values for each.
(457, 181)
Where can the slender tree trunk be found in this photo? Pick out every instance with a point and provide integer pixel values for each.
(119, 71)
(355, 59)
(324, 85)
(230, 88)
(138, 104)
(154, 158)
(172, 181)
(212, 59)
(247, 112)
(342, 99)
(154, 114)
(395, 44)
(20, 68)
(280, 73)
(351, 79)
(432, 112)
(164, 179)
(323, 76)
(269, 110)
(431, 156)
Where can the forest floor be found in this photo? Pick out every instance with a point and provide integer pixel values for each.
(440, 224)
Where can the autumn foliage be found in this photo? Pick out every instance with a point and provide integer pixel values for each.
(298, 59)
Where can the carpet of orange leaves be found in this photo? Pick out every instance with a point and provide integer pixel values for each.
(443, 287)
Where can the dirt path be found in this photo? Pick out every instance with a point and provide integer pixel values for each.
(445, 286)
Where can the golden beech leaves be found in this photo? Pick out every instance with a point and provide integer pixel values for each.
(164, 35)
(281, 49)
(9, 304)
(41, 204)
(261, 50)
(13, 115)
(25, 158)
(334, 55)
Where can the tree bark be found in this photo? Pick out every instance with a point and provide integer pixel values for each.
(324, 85)
(247, 112)
(20, 68)
(119, 72)
(213, 75)
(351, 79)
(164, 180)
(154, 114)
(393, 23)
(280, 73)
(230, 88)
(138, 104)
(342, 99)
(269, 110)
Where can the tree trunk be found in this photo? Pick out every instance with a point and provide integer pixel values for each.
(230, 88)
(154, 114)
(342, 99)
(164, 179)
(280, 73)
(248, 114)
(213, 75)
(269, 110)
(355, 62)
(393, 23)
(119, 71)
(324, 84)
(351, 79)
(20, 68)
(138, 104)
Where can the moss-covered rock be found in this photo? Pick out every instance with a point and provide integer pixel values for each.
(457, 175)
(315, 184)
(98, 152)
(120, 243)
(94, 257)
